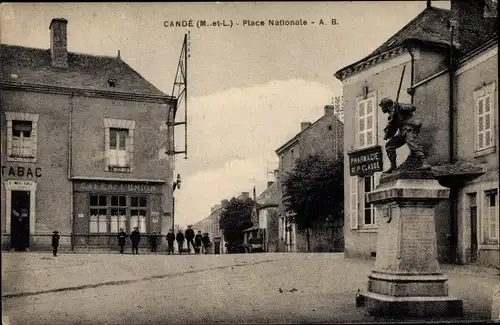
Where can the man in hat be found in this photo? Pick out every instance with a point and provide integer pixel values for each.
(189, 234)
(402, 127)
(170, 242)
(55, 242)
(198, 242)
(122, 236)
(153, 241)
(206, 242)
(135, 237)
(180, 240)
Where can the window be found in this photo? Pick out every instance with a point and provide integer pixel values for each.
(366, 129)
(353, 201)
(484, 118)
(119, 145)
(22, 130)
(369, 209)
(490, 216)
(98, 214)
(138, 212)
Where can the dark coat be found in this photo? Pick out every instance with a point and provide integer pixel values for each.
(198, 239)
(206, 240)
(170, 237)
(55, 240)
(121, 238)
(135, 237)
(179, 237)
(189, 234)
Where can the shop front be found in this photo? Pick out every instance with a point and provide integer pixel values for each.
(103, 208)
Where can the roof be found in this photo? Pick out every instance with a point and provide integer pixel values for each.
(296, 137)
(270, 196)
(429, 27)
(84, 71)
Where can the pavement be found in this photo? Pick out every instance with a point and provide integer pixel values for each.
(194, 289)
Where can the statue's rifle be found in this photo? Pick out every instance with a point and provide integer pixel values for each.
(392, 128)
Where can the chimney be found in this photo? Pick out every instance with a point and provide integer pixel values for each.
(329, 110)
(270, 183)
(304, 125)
(59, 42)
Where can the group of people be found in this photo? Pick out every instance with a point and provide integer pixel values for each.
(199, 242)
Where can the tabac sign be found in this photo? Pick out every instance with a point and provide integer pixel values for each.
(366, 161)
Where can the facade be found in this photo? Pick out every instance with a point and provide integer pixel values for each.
(83, 148)
(268, 216)
(326, 135)
(444, 100)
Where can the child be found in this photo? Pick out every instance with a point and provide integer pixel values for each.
(55, 242)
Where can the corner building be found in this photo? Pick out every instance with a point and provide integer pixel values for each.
(84, 144)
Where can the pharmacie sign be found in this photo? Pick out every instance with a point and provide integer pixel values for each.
(366, 161)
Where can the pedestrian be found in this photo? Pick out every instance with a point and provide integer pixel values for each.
(135, 237)
(122, 236)
(170, 242)
(189, 234)
(55, 242)
(153, 241)
(206, 242)
(180, 240)
(198, 242)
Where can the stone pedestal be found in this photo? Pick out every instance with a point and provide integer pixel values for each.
(406, 279)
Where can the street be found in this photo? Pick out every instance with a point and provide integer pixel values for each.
(189, 289)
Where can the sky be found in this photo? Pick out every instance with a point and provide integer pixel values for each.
(249, 87)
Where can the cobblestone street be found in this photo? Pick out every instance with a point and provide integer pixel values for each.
(246, 288)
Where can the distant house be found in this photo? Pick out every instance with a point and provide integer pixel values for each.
(455, 89)
(325, 135)
(83, 147)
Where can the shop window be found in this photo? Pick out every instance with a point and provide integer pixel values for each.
(138, 212)
(118, 211)
(491, 216)
(21, 136)
(484, 119)
(98, 214)
(366, 123)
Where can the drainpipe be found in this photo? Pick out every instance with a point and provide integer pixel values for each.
(70, 162)
(453, 188)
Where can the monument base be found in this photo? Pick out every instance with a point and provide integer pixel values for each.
(426, 306)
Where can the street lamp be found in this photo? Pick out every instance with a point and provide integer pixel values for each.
(175, 185)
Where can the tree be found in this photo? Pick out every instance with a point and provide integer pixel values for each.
(236, 217)
(314, 191)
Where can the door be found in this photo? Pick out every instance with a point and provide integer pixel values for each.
(473, 234)
(20, 220)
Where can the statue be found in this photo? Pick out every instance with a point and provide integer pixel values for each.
(403, 128)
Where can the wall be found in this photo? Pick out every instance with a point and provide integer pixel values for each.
(53, 192)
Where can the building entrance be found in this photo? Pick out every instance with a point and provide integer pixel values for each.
(20, 220)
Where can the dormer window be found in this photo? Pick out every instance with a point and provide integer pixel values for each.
(112, 82)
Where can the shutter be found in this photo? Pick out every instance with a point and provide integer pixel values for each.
(488, 130)
(480, 124)
(353, 201)
(370, 140)
(376, 180)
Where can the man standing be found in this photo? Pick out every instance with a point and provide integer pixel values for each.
(135, 237)
(206, 242)
(189, 238)
(170, 242)
(198, 242)
(153, 241)
(122, 236)
(180, 241)
(55, 242)
(402, 127)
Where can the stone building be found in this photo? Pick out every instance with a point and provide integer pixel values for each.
(83, 147)
(455, 92)
(325, 135)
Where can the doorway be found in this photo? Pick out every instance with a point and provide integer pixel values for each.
(20, 220)
(473, 227)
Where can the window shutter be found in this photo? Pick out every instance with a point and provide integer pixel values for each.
(354, 201)
(488, 132)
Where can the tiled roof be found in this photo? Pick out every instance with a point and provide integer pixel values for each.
(84, 71)
(430, 25)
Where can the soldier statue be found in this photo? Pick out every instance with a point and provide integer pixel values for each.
(402, 127)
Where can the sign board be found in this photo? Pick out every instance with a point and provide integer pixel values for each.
(366, 161)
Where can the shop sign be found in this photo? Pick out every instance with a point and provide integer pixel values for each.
(365, 162)
(117, 187)
(21, 171)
